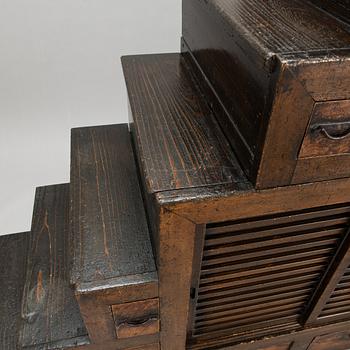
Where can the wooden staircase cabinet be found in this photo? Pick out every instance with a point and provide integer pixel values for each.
(219, 218)
(239, 268)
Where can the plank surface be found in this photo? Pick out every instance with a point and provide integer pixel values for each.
(179, 142)
(278, 26)
(13, 254)
(51, 317)
(109, 226)
(339, 9)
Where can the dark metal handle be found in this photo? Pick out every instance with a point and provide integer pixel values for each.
(334, 131)
(138, 323)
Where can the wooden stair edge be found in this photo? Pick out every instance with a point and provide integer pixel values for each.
(113, 260)
(108, 220)
(13, 252)
(50, 314)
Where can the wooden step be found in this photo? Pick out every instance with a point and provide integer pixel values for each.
(13, 252)
(113, 271)
(51, 317)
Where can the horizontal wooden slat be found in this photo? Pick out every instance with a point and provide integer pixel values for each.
(266, 233)
(260, 279)
(260, 271)
(247, 263)
(339, 302)
(283, 219)
(269, 294)
(336, 311)
(289, 240)
(292, 281)
(249, 320)
(283, 324)
(273, 251)
(244, 310)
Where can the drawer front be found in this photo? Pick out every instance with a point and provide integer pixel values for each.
(136, 318)
(328, 133)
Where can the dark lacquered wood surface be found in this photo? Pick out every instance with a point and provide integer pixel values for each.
(339, 9)
(13, 257)
(110, 231)
(179, 142)
(268, 63)
(51, 317)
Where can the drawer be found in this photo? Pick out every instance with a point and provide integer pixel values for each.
(136, 318)
(329, 130)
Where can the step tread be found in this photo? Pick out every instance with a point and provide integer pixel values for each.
(13, 253)
(179, 142)
(109, 225)
(50, 311)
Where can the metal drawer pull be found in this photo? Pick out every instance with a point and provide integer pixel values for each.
(139, 323)
(334, 131)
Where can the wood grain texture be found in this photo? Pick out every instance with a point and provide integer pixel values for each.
(339, 9)
(188, 209)
(137, 318)
(178, 140)
(119, 346)
(336, 341)
(206, 205)
(267, 63)
(113, 258)
(300, 340)
(13, 257)
(51, 317)
(177, 249)
(329, 130)
(109, 226)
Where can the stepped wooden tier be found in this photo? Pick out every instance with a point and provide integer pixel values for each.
(219, 218)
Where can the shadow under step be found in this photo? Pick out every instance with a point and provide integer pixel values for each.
(51, 317)
(13, 252)
(114, 272)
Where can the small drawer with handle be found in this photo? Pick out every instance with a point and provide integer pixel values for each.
(328, 133)
(137, 318)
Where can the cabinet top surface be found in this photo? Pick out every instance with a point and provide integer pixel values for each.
(283, 26)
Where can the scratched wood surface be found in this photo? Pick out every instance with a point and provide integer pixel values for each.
(13, 256)
(244, 50)
(179, 141)
(51, 317)
(109, 226)
(339, 9)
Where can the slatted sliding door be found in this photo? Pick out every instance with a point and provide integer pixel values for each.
(339, 301)
(259, 274)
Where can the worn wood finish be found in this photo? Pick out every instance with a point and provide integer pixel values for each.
(51, 316)
(268, 64)
(328, 130)
(298, 340)
(320, 310)
(180, 145)
(339, 9)
(336, 341)
(182, 214)
(137, 318)
(244, 262)
(13, 257)
(113, 258)
(119, 346)
(110, 232)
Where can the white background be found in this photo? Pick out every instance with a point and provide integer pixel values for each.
(60, 68)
